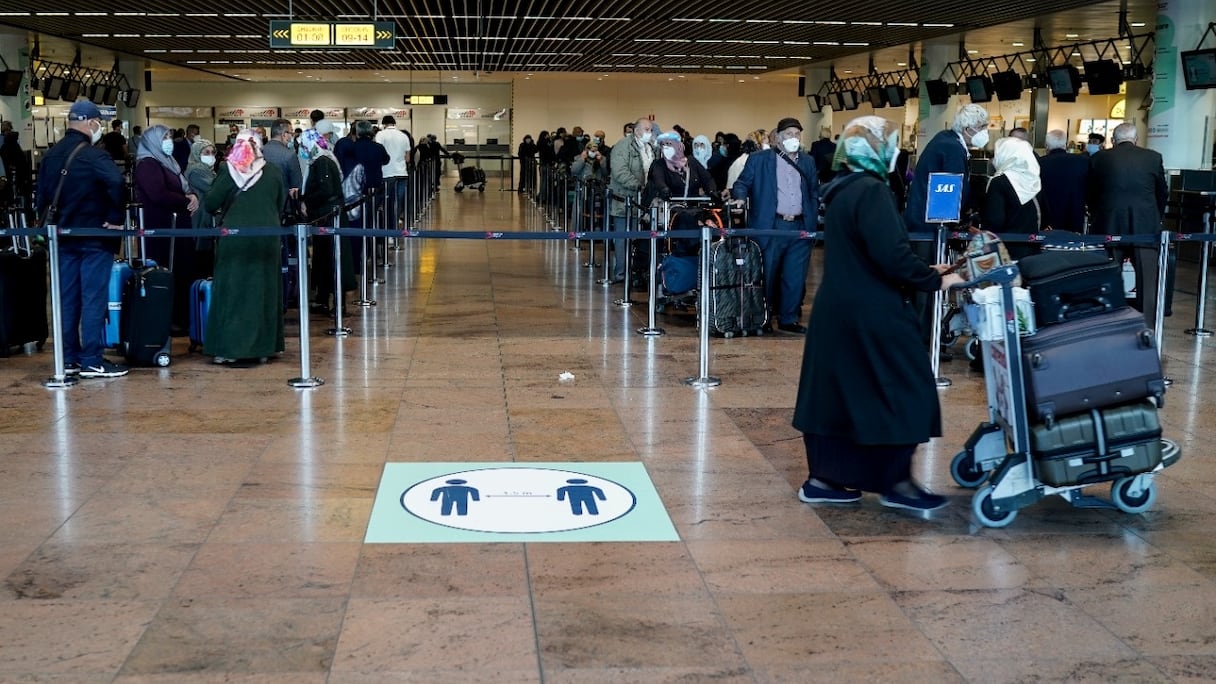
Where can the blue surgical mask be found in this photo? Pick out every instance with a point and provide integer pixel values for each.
(1092, 148)
(166, 146)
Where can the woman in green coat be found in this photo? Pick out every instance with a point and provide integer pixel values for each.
(246, 318)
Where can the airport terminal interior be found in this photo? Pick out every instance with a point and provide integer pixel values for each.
(201, 523)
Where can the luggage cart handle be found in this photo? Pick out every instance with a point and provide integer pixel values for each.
(1002, 275)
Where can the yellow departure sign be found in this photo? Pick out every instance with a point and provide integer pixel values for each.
(372, 35)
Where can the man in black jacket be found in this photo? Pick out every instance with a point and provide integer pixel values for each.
(1127, 194)
(90, 196)
(1064, 177)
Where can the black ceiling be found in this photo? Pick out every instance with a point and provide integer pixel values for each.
(731, 36)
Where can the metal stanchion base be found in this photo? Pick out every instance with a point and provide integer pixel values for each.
(1199, 332)
(376, 281)
(709, 381)
(651, 332)
(943, 382)
(54, 382)
(604, 281)
(1168, 381)
(624, 302)
(365, 302)
(591, 264)
(338, 332)
(305, 383)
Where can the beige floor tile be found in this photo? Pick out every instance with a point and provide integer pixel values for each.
(70, 638)
(945, 562)
(781, 566)
(415, 571)
(269, 570)
(103, 572)
(307, 519)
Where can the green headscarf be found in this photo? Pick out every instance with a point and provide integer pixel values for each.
(868, 143)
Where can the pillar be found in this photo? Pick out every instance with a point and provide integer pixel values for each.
(930, 119)
(1180, 121)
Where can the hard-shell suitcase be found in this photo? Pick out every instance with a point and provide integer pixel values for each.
(200, 307)
(120, 275)
(736, 301)
(1097, 445)
(1066, 285)
(472, 175)
(23, 297)
(1090, 363)
(146, 317)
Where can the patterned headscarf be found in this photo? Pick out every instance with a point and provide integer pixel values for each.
(245, 161)
(678, 163)
(868, 143)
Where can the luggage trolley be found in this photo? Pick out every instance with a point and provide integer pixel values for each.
(997, 456)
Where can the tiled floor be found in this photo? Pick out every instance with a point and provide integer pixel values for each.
(205, 524)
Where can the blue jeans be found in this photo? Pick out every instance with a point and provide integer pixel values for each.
(395, 197)
(84, 278)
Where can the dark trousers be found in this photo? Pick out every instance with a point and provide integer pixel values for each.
(786, 262)
(870, 468)
(84, 278)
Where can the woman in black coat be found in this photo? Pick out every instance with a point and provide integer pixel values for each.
(866, 394)
(527, 164)
(1011, 203)
(672, 174)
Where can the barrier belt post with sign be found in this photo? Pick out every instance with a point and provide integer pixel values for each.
(943, 206)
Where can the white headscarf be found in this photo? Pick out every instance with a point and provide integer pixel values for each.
(1014, 159)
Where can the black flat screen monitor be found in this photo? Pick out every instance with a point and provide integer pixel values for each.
(130, 97)
(814, 103)
(1199, 69)
(1008, 85)
(1065, 82)
(1103, 77)
(71, 90)
(939, 92)
(850, 99)
(979, 88)
(837, 101)
(11, 85)
(53, 86)
(877, 95)
(109, 96)
(897, 95)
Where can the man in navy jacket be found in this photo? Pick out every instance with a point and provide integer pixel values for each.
(784, 196)
(1064, 175)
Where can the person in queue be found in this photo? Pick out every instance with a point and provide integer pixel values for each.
(245, 322)
(527, 164)
(947, 152)
(1063, 177)
(784, 196)
(629, 166)
(91, 197)
(167, 201)
(200, 174)
(862, 430)
(1011, 203)
(323, 198)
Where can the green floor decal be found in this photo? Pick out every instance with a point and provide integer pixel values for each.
(517, 502)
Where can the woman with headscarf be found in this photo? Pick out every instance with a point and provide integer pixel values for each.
(167, 201)
(246, 318)
(322, 198)
(672, 174)
(1011, 202)
(701, 151)
(200, 174)
(861, 431)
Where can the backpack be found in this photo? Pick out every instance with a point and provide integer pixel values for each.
(352, 191)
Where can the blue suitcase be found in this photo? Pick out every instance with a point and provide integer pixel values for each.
(120, 274)
(200, 307)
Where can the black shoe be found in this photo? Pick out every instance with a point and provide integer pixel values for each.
(945, 356)
(795, 327)
(104, 369)
(916, 499)
(766, 329)
(809, 493)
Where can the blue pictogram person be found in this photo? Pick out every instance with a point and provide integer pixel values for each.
(581, 494)
(455, 494)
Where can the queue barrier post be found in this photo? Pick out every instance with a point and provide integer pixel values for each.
(364, 300)
(306, 379)
(704, 380)
(338, 330)
(652, 328)
(60, 379)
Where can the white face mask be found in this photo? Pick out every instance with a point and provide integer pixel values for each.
(97, 133)
(765, 146)
(166, 146)
(669, 152)
(791, 145)
(208, 159)
(701, 154)
(646, 137)
(980, 139)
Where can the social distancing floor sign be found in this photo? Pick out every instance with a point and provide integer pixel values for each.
(517, 502)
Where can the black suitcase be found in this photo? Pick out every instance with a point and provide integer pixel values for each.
(1067, 285)
(1097, 446)
(147, 314)
(23, 296)
(736, 299)
(1090, 363)
(472, 175)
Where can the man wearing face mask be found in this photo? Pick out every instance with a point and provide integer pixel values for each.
(1093, 143)
(947, 152)
(630, 162)
(784, 196)
(92, 197)
(278, 151)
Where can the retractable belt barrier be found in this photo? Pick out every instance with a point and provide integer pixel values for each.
(705, 234)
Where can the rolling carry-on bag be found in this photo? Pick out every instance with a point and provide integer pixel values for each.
(1067, 285)
(1098, 445)
(1091, 362)
(200, 307)
(736, 300)
(23, 296)
(147, 315)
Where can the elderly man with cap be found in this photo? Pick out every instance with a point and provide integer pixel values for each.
(784, 196)
(87, 189)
